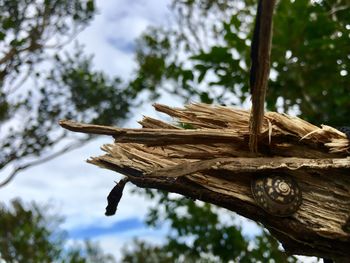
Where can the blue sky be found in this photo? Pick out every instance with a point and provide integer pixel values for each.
(121, 226)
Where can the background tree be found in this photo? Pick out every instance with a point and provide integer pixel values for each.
(198, 234)
(40, 84)
(27, 234)
(206, 56)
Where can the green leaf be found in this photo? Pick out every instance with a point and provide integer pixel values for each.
(205, 97)
(2, 35)
(90, 6)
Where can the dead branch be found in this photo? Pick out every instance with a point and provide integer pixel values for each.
(260, 69)
(212, 162)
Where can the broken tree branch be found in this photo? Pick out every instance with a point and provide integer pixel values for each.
(218, 167)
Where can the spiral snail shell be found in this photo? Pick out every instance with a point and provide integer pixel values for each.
(278, 195)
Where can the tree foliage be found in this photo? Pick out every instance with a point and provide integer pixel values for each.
(200, 232)
(27, 28)
(40, 84)
(28, 234)
(201, 223)
(206, 56)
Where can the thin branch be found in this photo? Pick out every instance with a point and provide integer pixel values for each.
(260, 69)
(339, 8)
(22, 80)
(155, 136)
(8, 56)
(15, 171)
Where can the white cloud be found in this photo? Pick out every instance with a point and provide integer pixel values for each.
(116, 27)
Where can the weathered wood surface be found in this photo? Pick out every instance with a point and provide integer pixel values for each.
(260, 68)
(217, 167)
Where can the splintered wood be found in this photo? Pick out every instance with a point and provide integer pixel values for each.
(204, 154)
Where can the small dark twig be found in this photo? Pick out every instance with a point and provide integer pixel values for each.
(114, 197)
